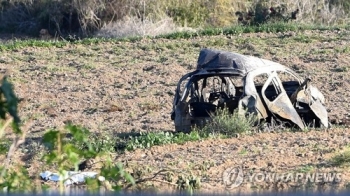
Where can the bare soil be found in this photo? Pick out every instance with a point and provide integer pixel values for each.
(125, 87)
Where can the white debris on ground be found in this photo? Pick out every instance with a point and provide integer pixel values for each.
(70, 177)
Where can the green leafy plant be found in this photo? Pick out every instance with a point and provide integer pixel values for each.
(112, 177)
(116, 174)
(147, 140)
(188, 13)
(342, 158)
(99, 143)
(64, 153)
(103, 142)
(8, 105)
(305, 169)
(223, 122)
(11, 178)
(17, 180)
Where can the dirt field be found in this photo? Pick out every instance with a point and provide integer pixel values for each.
(126, 87)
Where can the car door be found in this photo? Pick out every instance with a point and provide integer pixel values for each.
(279, 103)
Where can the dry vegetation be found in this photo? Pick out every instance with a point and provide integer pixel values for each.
(121, 17)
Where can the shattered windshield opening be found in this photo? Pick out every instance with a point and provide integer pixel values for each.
(207, 92)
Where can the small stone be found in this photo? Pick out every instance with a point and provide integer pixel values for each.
(170, 156)
(301, 155)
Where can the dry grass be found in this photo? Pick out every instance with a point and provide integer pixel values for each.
(133, 26)
(118, 18)
(221, 13)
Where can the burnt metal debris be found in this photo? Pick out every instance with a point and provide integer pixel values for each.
(269, 90)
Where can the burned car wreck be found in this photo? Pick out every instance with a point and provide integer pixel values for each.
(250, 84)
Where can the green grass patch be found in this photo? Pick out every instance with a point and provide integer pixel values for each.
(342, 158)
(239, 29)
(18, 44)
(223, 125)
(147, 140)
(233, 30)
(305, 169)
(227, 124)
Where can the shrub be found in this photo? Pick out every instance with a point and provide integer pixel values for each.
(323, 12)
(341, 158)
(85, 17)
(223, 122)
(62, 17)
(188, 12)
(64, 154)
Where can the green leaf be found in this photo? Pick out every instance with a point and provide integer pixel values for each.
(4, 147)
(50, 157)
(11, 99)
(50, 138)
(129, 178)
(80, 134)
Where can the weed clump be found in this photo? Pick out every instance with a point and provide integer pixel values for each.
(223, 122)
(342, 159)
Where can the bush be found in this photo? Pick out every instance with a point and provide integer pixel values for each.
(223, 122)
(345, 4)
(342, 158)
(62, 17)
(85, 17)
(328, 12)
(188, 12)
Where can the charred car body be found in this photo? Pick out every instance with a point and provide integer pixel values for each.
(250, 84)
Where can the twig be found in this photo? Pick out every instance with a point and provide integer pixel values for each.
(154, 176)
(2, 129)
(19, 139)
(16, 143)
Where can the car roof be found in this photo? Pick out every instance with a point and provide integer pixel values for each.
(213, 59)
